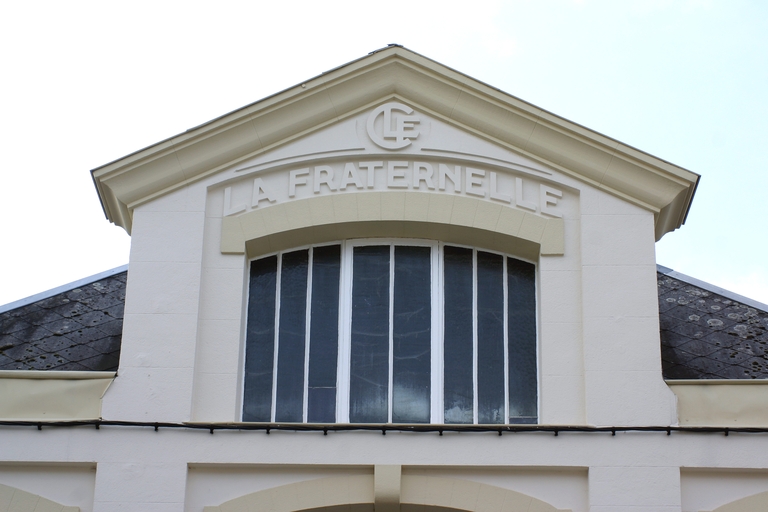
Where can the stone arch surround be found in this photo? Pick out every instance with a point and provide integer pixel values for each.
(357, 493)
(753, 503)
(401, 214)
(16, 500)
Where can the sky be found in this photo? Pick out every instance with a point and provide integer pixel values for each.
(85, 83)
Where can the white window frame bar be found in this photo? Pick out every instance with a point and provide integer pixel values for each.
(345, 334)
(437, 366)
(390, 377)
(505, 305)
(278, 279)
(307, 323)
(475, 412)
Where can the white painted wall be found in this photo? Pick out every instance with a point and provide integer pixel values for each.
(181, 360)
(161, 311)
(139, 469)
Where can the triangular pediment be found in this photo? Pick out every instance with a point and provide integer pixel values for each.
(397, 75)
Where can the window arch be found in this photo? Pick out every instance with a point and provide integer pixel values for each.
(391, 331)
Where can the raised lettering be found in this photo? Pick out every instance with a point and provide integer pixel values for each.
(296, 178)
(404, 126)
(351, 176)
(474, 178)
(455, 177)
(261, 192)
(323, 176)
(228, 208)
(494, 193)
(369, 170)
(549, 196)
(423, 171)
(395, 176)
(519, 201)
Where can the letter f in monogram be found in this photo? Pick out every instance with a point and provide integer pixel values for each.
(404, 126)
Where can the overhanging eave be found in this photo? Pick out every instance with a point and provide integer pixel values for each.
(662, 187)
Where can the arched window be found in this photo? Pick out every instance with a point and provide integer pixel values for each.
(400, 331)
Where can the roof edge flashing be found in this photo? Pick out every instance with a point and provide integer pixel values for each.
(176, 161)
(61, 289)
(711, 288)
(56, 375)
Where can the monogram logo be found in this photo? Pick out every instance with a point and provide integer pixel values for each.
(390, 136)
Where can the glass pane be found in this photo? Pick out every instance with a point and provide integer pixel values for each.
(490, 338)
(412, 335)
(324, 334)
(260, 340)
(457, 344)
(522, 341)
(369, 366)
(292, 337)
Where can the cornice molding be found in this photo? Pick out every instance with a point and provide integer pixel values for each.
(397, 73)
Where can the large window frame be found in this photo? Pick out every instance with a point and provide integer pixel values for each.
(437, 304)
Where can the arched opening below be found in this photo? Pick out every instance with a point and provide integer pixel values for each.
(12, 499)
(356, 493)
(753, 503)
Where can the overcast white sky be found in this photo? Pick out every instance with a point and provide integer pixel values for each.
(85, 83)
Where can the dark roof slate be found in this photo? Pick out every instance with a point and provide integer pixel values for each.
(704, 334)
(77, 329)
(709, 335)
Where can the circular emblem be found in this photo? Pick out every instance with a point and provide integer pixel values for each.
(398, 126)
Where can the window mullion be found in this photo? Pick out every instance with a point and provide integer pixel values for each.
(437, 363)
(277, 335)
(391, 329)
(307, 331)
(505, 285)
(474, 338)
(345, 335)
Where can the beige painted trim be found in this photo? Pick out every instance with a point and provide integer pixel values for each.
(16, 500)
(52, 398)
(449, 218)
(466, 495)
(755, 503)
(338, 492)
(386, 487)
(397, 73)
(717, 382)
(54, 375)
(357, 493)
(728, 403)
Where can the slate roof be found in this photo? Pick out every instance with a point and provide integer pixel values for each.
(710, 333)
(706, 332)
(78, 327)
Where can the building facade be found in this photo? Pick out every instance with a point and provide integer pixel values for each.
(390, 287)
